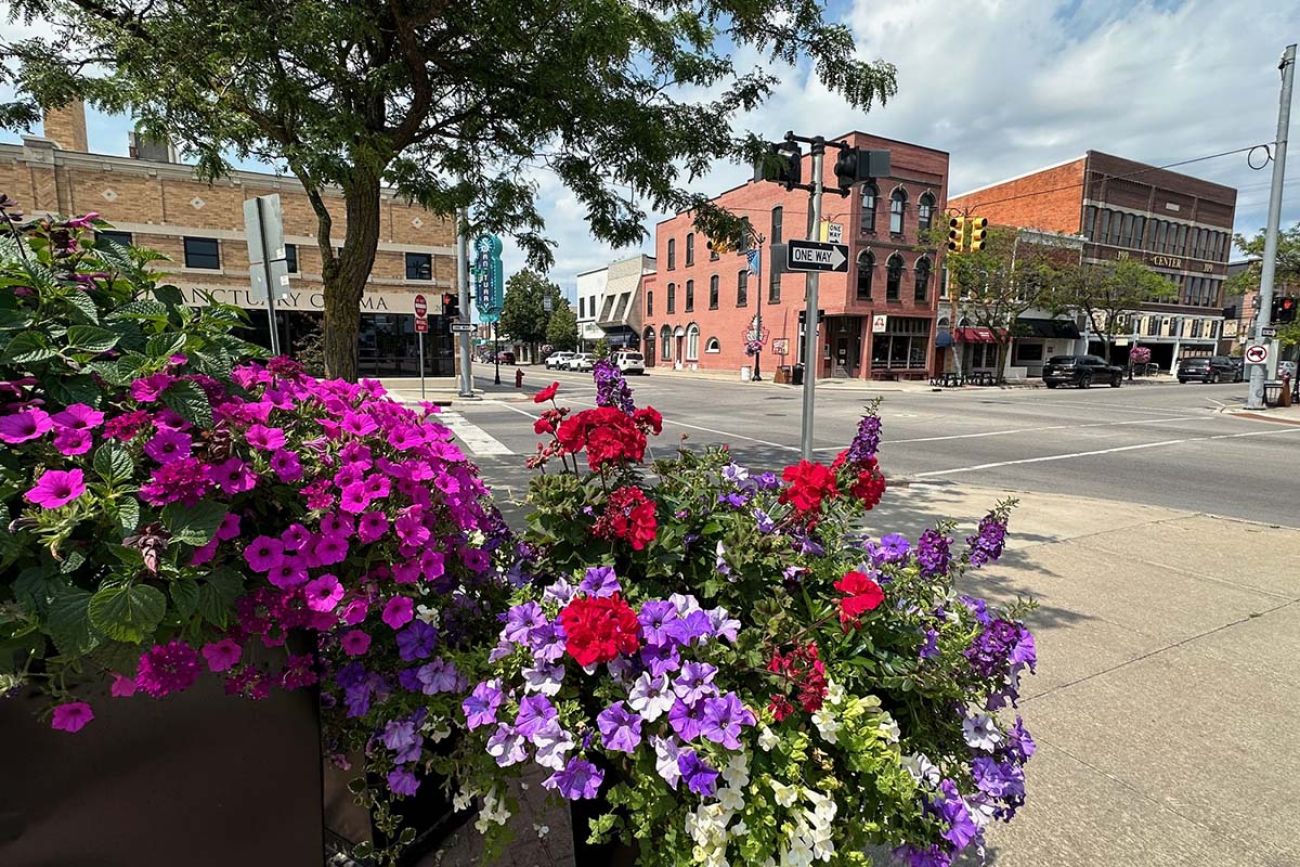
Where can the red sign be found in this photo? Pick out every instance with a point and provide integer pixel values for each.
(421, 325)
(421, 306)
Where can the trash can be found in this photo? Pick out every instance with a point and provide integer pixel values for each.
(746, 373)
(796, 377)
(783, 374)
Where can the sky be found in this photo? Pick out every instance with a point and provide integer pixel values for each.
(1007, 86)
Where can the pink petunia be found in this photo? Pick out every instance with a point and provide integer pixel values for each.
(354, 499)
(229, 528)
(28, 424)
(149, 388)
(411, 530)
(287, 575)
(169, 445)
(57, 488)
(206, 553)
(355, 642)
(328, 550)
(372, 527)
(72, 441)
(123, 686)
(78, 416)
(233, 476)
(406, 572)
(323, 593)
(222, 655)
(259, 436)
(355, 611)
(433, 565)
(335, 524)
(399, 611)
(72, 716)
(264, 553)
(286, 466)
(296, 537)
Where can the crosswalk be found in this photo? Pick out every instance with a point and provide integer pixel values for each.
(478, 441)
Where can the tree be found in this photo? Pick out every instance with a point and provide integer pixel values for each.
(450, 103)
(1286, 265)
(562, 330)
(1109, 294)
(524, 315)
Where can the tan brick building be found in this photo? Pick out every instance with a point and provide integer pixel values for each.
(154, 201)
(879, 317)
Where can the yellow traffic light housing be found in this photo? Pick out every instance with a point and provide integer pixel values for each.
(978, 232)
(957, 235)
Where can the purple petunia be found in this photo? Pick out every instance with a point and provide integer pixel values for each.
(660, 624)
(521, 620)
(507, 746)
(534, 712)
(416, 641)
(402, 782)
(620, 728)
(578, 779)
(686, 720)
(700, 778)
(695, 682)
(481, 705)
(723, 719)
(600, 581)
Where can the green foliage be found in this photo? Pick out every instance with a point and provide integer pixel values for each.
(1286, 265)
(1109, 294)
(524, 316)
(562, 329)
(601, 349)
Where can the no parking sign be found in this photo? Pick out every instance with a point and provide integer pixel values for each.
(1257, 354)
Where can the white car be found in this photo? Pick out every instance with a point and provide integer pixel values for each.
(557, 360)
(580, 362)
(630, 362)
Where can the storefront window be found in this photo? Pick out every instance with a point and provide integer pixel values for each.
(903, 345)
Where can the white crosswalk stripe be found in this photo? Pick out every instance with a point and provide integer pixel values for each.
(477, 440)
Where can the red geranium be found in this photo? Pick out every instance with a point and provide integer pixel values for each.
(598, 629)
(803, 667)
(543, 426)
(810, 483)
(861, 595)
(648, 420)
(630, 516)
(546, 393)
(867, 481)
(606, 433)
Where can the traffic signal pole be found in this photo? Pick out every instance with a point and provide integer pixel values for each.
(1259, 372)
(462, 285)
(810, 357)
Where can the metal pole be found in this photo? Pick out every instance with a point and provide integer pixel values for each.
(496, 352)
(810, 358)
(270, 286)
(419, 339)
(462, 280)
(1258, 372)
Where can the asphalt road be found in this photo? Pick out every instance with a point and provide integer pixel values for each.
(1163, 445)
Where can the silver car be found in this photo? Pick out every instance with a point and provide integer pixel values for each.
(580, 362)
(630, 362)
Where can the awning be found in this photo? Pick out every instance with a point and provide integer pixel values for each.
(974, 334)
(1051, 328)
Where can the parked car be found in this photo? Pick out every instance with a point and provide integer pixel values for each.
(630, 362)
(556, 360)
(505, 356)
(1211, 369)
(1081, 370)
(580, 362)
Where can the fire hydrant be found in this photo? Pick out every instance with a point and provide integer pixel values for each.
(519, 378)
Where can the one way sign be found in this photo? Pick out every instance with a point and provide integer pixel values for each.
(816, 256)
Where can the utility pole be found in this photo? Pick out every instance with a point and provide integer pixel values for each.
(462, 284)
(1259, 372)
(810, 357)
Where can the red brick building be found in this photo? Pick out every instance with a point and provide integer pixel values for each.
(879, 317)
(1178, 225)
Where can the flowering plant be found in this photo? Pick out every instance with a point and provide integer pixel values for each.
(736, 669)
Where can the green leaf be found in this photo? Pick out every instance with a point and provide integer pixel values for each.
(29, 347)
(112, 463)
(72, 562)
(84, 305)
(68, 621)
(217, 595)
(127, 612)
(169, 295)
(72, 389)
(164, 345)
(91, 338)
(127, 513)
(185, 596)
(189, 402)
(140, 310)
(193, 525)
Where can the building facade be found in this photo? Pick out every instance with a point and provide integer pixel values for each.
(153, 201)
(591, 291)
(1178, 225)
(879, 318)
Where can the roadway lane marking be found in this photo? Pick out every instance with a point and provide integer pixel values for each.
(477, 440)
(998, 433)
(1072, 455)
(1099, 406)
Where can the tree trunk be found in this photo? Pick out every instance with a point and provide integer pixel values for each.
(346, 273)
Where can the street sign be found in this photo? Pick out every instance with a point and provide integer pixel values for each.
(421, 306)
(1257, 354)
(816, 256)
(1268, 331)
(832, 232)
(463, 327)
(421, 325)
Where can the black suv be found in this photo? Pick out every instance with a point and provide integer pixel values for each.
(1081, 370)
(1217, 368)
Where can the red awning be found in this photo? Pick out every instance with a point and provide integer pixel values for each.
(976, 334)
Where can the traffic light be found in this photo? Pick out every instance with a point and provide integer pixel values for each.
(451, 305)
(783, 164)
(855, 165)
(978, 230)
(1284, 309)
(956, 234)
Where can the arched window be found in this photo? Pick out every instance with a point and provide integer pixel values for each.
(897, 204)
(690, 249)
(866, 269)
(666, 339)
(649, 303)
(693, 342)
(922, 278)
(672, 253)
(713, 345)
(672, 297)
(777, 213)
(648, 343)
(870, 193)
(893, 277)
(925, 212)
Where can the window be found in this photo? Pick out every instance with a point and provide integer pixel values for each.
(866, 269)
(776, 225)
(102, 239)
(419, 266)
(893, 277)
(774, 288)
(713, 254)
(925, 212)
(713, 292)
(690, 249)
(1196, 328)
(672, 253)
(203, 253)
(666, 340)
(693, 342)
(870, 193)
(742, 288)
(1090, 222)
(1103, 226)
(1028, 351)
(1182, 240)
(713, 345)
(922, 279)
(291, 257)
(903, 345)
(1139, 230)
(672, 299)
(897, 204)
(690, 294)
(1153, 326)
(1126, 230)
(649, 303)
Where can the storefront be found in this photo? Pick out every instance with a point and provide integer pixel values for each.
(901, 347)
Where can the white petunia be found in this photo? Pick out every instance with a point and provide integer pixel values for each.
(666, 753)
(651, 697)
(827, 724)
(543, 678)
(767, 738)
(921, 769)
(889, 728)
(785, 795)
(981, 732)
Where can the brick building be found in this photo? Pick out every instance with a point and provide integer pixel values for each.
(1178, 225)
(154, 201)
(879, 317)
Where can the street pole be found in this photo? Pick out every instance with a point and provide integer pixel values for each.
(1258, 372)
(496, 353)
(419, 339)
(462, 279)
(810, 357)
(270, 277)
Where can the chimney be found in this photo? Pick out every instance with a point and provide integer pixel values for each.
(66, 125)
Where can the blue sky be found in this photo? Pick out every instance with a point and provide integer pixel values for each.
(1006, 86)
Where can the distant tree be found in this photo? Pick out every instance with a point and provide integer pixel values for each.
(562, 330)
(1108, 295)
(1286, 265)
(524, 315)
(451, 103)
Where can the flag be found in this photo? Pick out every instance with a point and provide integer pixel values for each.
(755, 257)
